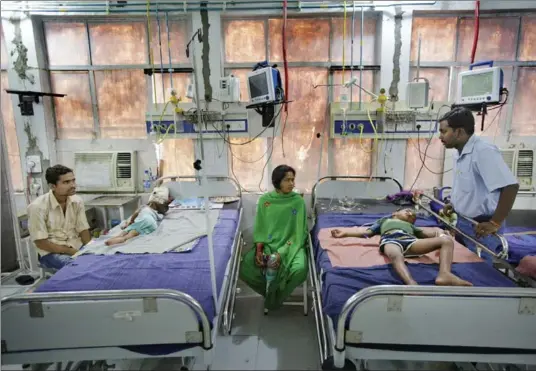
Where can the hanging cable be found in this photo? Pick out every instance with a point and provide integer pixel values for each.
(352, 55)
(169, 52)
(160, 50)
(343, 42)
(284, 43)
(477, 29)
(151, 59)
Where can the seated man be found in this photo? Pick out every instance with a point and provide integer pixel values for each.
(400, 238)
(280, 235)
(57, 220)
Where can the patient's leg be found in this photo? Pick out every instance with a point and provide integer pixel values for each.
(394, 253)
(122, 238)
(446, 253)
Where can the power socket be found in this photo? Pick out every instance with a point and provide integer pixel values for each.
(36, 187)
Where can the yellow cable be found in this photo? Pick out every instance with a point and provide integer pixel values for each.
(343, 40)
(151, 51)
(361, 140)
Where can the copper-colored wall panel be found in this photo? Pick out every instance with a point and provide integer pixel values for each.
(178, 155)
(122, 102)
(438, 39)
(118, 43)
(352, 156)
(369, 40)
(527, 47)
(244, 41)
(180, 84)
(435, 156)
(307, 40)
(496, 40)
(178, 38)
(11, 133)
(439, 82)
(524, 120)
(74, 113)
(367, 83)
(67, 44)
(248, 161)
(306, 118)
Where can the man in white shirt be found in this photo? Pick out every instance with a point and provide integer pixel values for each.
(484, 188)
(57, 220)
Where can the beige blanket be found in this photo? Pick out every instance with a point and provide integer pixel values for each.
(353, 252)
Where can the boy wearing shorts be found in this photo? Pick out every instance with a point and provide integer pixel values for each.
(400, 238)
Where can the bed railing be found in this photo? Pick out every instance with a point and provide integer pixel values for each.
(211, 179)
(436, 291)
(35, 299)
(503, 254)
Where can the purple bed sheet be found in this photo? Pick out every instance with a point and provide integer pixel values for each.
(188, 272)
(519, 246)
(339, 284)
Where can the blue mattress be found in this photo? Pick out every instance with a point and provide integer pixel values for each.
(339, 284)
(188, 272)
(519, 246)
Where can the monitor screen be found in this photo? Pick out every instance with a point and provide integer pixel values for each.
(477, 84)
(258, 86)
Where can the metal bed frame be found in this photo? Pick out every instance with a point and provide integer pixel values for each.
(36, 327)
(423, 323)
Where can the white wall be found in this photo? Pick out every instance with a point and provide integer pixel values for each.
(61, 151)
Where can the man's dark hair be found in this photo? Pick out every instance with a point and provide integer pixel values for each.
(279, 174)
(460, 117)
(54, 173)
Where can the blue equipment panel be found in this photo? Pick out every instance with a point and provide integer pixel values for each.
(189, 128)
(354, 127)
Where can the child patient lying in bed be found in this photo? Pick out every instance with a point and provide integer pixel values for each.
(400, 238)
(145, 220)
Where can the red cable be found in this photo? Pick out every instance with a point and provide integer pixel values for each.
(285, 51)
(477, 29)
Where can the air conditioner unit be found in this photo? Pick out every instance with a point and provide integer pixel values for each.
(106, 171)
(521, 162)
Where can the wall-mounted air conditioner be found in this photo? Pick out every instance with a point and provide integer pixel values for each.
(521, 162)
(106, 171)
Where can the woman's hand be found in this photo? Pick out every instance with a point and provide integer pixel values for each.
(259, 255)
(337, 233)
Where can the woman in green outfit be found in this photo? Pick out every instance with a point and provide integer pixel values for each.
(280, 236)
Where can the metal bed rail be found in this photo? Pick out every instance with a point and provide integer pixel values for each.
(233, 279)
(79, 296)
(503, 254)
(436, 291)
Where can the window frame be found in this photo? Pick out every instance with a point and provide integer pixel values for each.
(229, 66)
(90, 68)
(455, 66)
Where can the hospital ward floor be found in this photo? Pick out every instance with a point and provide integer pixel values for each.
(282, 340)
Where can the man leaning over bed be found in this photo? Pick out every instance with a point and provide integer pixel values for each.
(57, 220)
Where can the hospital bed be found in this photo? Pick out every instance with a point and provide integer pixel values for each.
(127, 306)
(520, 242)
(367, 314)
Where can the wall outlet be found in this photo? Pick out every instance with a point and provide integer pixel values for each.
(33, 164)
(36, 187)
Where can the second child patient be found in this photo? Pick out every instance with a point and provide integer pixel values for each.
(400, 238)
(145, 220)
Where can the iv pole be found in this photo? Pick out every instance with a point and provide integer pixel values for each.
(197, 166)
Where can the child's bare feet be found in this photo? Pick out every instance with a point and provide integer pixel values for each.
(449, 279)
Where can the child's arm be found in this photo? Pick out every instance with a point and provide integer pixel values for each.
(361, 232)
(132, 218)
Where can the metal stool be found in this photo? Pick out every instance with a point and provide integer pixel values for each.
(304, 302)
